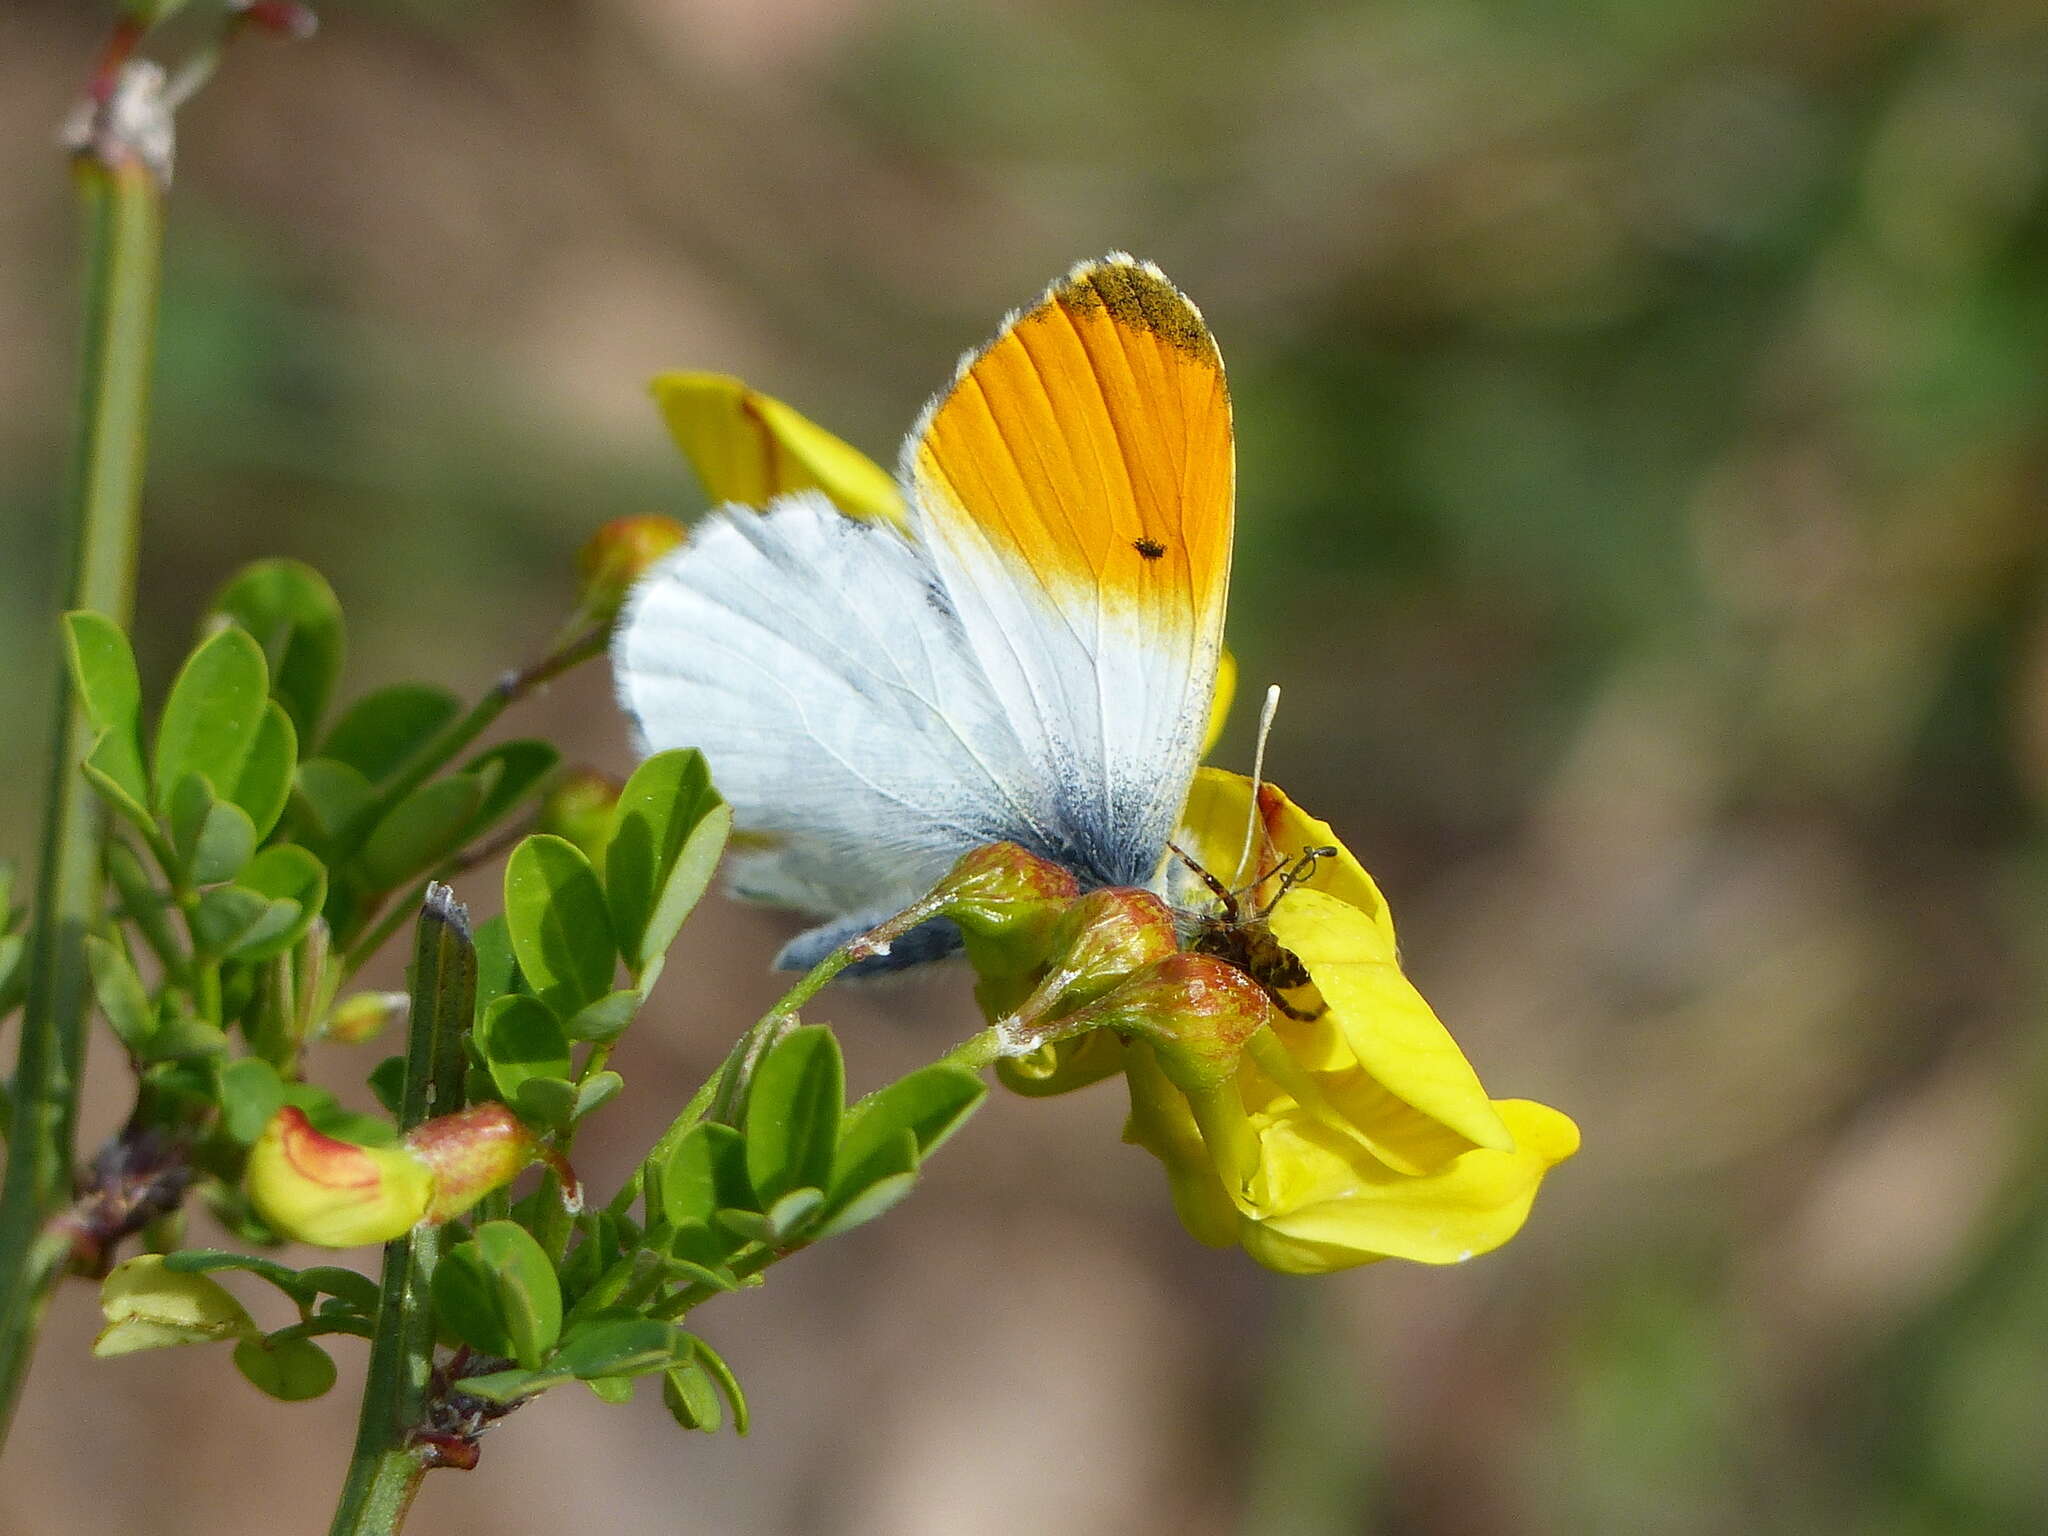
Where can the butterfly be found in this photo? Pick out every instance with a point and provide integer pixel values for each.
(1030, 658)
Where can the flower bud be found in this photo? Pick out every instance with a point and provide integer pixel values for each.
(333, 1193)
(579, 808)
(360, 1017)
(470, 1153)
(1196, 1011)
(1099, 941)
(617, 556)
(336, 1194)
(1005, 901)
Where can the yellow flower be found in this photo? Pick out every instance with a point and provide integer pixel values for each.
(749, 448)
(1355, 1134)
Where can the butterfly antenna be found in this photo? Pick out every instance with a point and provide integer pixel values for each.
(1251, 822)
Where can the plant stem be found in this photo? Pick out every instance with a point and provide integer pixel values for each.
(385, 1470)
(120, 172)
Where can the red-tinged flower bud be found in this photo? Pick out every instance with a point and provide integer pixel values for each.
(1100, 940)
(579, 808)
(362, 1016)
(618, 555)
(1197, 1012)
(333, 1193)
(470, 1153)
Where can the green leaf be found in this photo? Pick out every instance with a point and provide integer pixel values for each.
(596, 1091)
(668, 829)
(180, 1034)
(728, 1383)
(231, 917)
(620, 1346)
(334, 799)
(604, 1020)
(549, 1102)
(931, 1103)
(387, 1082)
(691, 1398)
(876, 1186)
(290, 1370)
(217, 706)
(263, 786)
(497, 973)
(150, 1307)
(561, 927)
(792, 1215)
(511, 1386)
(514, 769)
(120, 992)
(103, 668)
(421, 830)
(114, 769)
(498, 1294)
(295, 882)
(250, 1093)
(381, 731)
(357, 1290)
(291, 612)
(705, 1174)
(522, 1039)
(211, 839)
(792, 1114)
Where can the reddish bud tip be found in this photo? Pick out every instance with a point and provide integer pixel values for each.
(470, 1153)
(1196, 1010)
(618, 555)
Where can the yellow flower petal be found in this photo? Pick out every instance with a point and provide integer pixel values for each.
(1342, 1210)
(1392, 1031)
(1212, 829)
(750, 448)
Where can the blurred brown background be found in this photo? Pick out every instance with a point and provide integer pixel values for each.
(1642, 415)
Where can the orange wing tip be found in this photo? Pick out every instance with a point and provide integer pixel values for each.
(1135, 293)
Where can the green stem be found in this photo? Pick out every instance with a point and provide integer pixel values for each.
(121, 192)
(388, 1462)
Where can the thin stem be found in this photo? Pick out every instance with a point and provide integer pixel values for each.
(126, 133)
(385, 1470)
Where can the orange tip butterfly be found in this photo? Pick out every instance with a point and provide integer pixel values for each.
(1031, 660)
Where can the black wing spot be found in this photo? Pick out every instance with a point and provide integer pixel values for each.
(1151, 549)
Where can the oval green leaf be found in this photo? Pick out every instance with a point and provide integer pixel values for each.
(561, 927)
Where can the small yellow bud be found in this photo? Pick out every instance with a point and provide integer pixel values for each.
(618, 555)
(362, 1016)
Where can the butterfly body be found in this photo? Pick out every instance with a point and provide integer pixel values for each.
(1030, 659)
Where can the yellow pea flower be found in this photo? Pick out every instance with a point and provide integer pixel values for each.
(1360, 1133)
